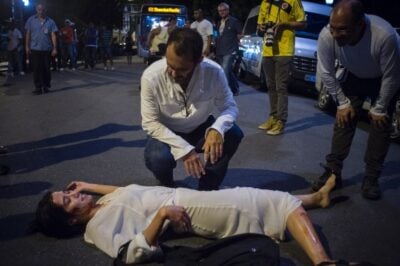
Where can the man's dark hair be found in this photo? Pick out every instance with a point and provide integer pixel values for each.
(187, 43)
(53, 220)
(356, 7)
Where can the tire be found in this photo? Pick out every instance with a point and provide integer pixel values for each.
(324, 99)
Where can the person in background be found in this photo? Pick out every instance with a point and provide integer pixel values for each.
(40, 46)
(277, 21)
(14, 50)
(227, 44)
(368, 47)
(188, 109)
(105, 46)
(129, 47)
(205, 28)
(68, 44)
(3, 169)
(91, 38)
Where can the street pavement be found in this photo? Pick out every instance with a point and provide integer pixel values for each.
(88, 128)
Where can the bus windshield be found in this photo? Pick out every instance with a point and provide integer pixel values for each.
(155, 15)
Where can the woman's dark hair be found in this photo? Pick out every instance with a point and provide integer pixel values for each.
(187, 43)
(53, 220)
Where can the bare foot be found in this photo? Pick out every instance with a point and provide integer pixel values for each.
(323, 192)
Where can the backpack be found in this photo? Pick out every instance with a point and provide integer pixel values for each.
(244, 249)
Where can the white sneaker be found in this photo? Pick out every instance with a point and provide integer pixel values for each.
(112, 68)
(61, 69)
(22, 73)
(73, 69)
(105, 68)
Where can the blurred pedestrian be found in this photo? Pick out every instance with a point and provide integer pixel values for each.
(227, 44)
(105, 43)
(205, 28)
(40, 46)
(68, 44)
(91, 38)
(15, 50)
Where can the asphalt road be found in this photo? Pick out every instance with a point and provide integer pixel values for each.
(88, 128)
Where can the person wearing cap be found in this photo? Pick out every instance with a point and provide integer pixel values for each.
(40, 46)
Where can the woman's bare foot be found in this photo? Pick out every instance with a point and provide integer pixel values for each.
(323, 193)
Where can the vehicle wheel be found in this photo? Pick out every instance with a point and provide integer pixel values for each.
(324, 99)
(395, 134)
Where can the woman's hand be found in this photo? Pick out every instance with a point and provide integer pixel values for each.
(78, 186)
(179, 218)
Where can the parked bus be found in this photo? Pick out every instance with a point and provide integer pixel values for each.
(154, 15)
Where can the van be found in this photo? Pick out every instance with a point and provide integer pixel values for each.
(304, 62)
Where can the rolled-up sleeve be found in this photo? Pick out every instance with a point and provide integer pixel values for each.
(225, 104)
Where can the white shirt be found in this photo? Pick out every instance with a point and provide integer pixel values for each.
(205, 28)
(128, 211)
(376, 55)
(167, 109)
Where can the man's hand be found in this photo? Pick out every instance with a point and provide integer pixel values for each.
(213, 146)
(378, 121)
(53, 52)
(179, 218)
(193, 165)
(344, 117)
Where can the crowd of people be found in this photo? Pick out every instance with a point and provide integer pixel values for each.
(178, 93)
(43, 46)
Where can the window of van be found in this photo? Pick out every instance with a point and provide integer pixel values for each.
(315, 22)
(251, 26)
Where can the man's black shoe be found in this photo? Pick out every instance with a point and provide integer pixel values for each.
(37, 91)
(4, 170)
(370, 188)
(320, 181)
(46, 90)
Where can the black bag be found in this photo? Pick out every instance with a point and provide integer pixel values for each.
(245, 249)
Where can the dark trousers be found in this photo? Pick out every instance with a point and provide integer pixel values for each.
(90, 56)
(40, 61)
(276, 70)
(357, 90)
(161, 163)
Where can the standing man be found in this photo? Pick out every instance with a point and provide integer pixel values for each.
(277, 21)
(178, 97)
(91, 36)
(227, 44)
(68, 43)
(15, 49)
(205, 28)
(40, 46)
(368, 47)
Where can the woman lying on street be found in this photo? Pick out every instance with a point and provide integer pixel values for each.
(140, 214)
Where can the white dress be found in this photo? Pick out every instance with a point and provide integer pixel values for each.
(216, 214)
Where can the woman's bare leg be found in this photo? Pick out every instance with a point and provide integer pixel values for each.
(302, 230)
(319, 199)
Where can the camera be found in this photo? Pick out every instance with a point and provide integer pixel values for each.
(269, 34)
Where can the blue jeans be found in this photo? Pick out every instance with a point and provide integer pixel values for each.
(161, 163)
(226, 62)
